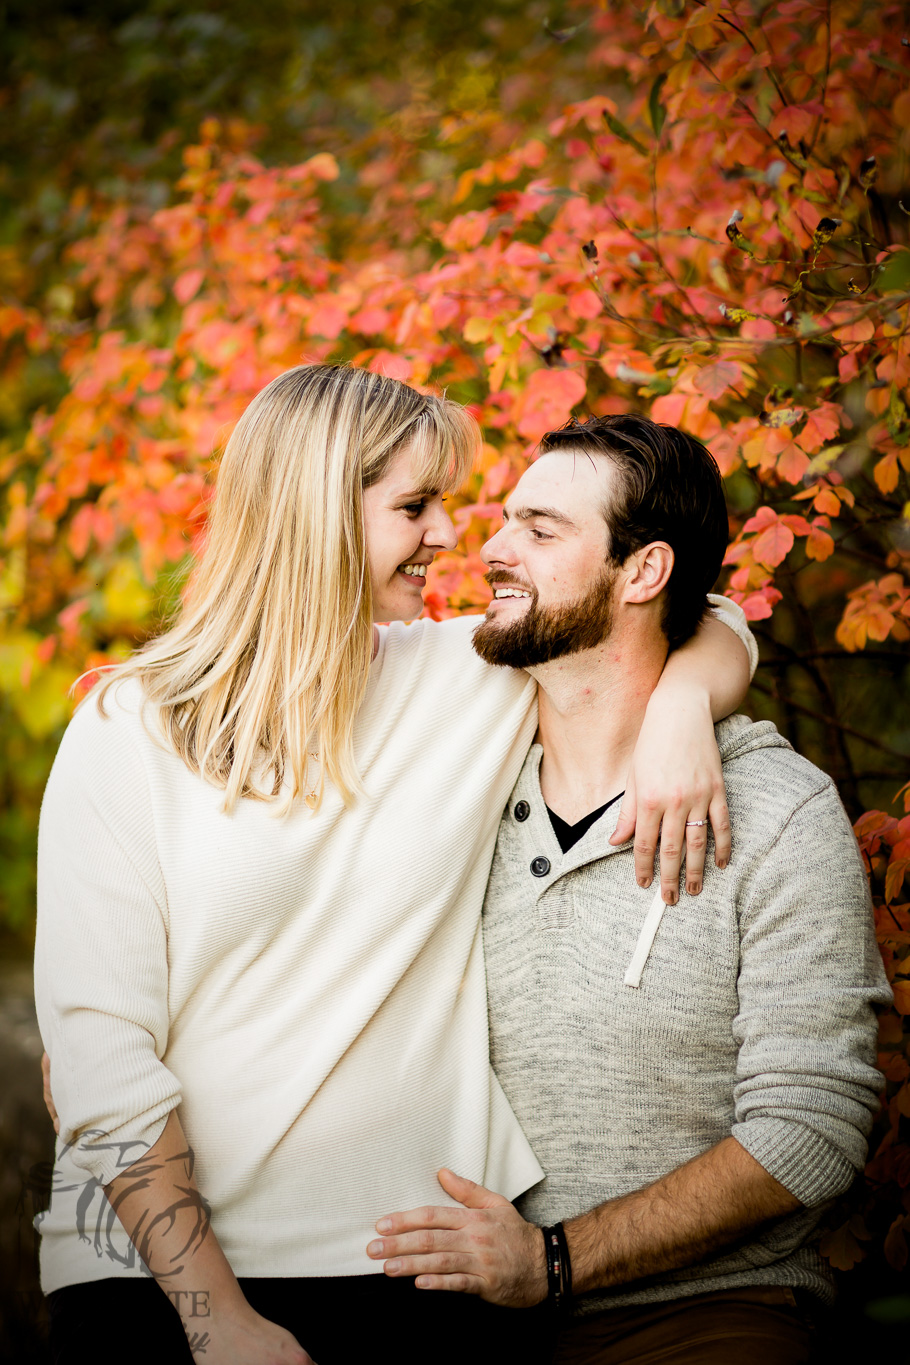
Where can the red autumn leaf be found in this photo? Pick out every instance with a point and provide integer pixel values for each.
(327, 320)
(669, 408)
(714, 380)
(894, 879)
(798, 525)
(187, 285)
(758, 606)
(547, 401)
(765, 516)
(821, 426)
(773, 544)
(585, 304)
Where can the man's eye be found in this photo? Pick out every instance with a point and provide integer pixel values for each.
(540, 535)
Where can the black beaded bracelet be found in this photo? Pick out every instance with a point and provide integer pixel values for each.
(559, 1268)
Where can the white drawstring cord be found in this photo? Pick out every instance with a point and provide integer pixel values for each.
(645, 941)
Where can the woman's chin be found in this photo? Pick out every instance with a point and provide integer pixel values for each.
(403, 605)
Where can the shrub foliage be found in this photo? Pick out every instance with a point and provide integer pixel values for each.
(699, 210)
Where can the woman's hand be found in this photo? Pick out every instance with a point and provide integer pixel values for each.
(675, 779)
(675, 785)
(48, 1097)
(243, 1337)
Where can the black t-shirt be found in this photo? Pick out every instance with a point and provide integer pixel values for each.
(570, 834)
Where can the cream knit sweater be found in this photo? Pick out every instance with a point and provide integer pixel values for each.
(310, 991)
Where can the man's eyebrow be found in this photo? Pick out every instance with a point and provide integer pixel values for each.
(530, 513)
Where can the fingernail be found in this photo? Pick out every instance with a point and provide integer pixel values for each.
(644, 881)
(374, 1249)
(421, 1283)
(694, 888)
(671, 898)
(392, 1267)
(723, 863)
(384, 1225)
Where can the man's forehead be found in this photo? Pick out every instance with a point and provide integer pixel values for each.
(565, 479)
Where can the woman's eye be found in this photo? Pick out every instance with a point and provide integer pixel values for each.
(413, 509)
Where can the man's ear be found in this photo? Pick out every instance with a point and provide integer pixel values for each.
(647, 572)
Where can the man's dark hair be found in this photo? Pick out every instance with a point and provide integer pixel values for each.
(669, 488)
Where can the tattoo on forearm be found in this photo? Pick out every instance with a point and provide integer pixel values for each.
(190, 1303)
(149, 1229)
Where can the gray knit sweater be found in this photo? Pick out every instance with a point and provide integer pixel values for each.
(629, 1040)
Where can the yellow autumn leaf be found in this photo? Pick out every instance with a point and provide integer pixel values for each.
(125, 594)
(477, 330)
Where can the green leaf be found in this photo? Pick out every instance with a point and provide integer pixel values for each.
(886, 64)
(895, 273)
(896, 1309)
(619, 128)
(655, 108)
(897, 416)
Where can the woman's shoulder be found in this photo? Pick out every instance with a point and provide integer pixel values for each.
(439, 655)
(112, 724)
(432, 645)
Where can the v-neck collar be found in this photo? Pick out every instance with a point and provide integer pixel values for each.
(593, 844)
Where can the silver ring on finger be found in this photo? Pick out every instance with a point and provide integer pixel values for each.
(695, 822)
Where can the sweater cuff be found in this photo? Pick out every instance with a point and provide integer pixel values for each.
(806, 1164)
(104, 1156)
(733, 616)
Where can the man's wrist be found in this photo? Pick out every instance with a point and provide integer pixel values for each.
(586, 1239)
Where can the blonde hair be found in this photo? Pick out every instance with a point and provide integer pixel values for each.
(272, 648)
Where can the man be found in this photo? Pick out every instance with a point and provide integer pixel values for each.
(696, 1079)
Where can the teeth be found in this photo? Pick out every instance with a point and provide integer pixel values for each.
(415, 570)
(510, 592)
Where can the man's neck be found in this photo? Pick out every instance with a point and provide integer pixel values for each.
(591, 707)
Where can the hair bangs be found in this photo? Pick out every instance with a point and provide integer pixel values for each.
(445, 442)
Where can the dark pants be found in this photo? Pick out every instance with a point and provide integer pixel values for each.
(361, 1320)
(732, 1327)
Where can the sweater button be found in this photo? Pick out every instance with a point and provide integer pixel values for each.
(522, 810)
(540, 867)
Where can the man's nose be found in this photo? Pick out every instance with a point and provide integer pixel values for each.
(496, 550)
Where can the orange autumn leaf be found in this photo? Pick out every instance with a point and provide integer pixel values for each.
(886, 472)
(547, 401)
(844, 1245)
(773, 544)
(819, 543)
(714, 380)
(792, 463)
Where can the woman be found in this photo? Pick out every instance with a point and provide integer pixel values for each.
(262, 859)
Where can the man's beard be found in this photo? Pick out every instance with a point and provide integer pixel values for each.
(545, 633)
